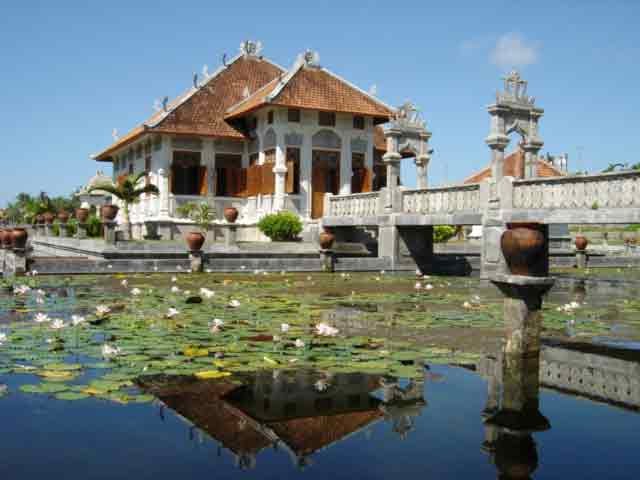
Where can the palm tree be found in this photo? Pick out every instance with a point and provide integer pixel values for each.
(126, 190)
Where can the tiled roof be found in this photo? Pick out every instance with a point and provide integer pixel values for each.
(201, 111)
(313, 88)
(514, 167)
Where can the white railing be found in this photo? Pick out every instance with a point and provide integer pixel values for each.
(353, 205)
(606, 190)
(461, 198)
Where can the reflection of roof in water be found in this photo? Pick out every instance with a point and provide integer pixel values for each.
(224, 410)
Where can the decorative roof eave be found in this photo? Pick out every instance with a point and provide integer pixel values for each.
(137, 132)
(235, 111)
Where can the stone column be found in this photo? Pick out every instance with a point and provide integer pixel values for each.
(346, 168)
(231, 236)
(422, 162)
(306, 167)
(81, 232)
(163, 186)
(280, 171)
(63, 230)
(392, 161)
(109, 232)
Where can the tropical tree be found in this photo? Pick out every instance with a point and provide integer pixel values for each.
(126, 190)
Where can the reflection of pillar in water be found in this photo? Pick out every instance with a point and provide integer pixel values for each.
(509, 437)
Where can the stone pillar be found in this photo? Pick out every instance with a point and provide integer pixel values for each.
(48, 229)
(230, 236)
(422, 162)
(63, 230)
(522, 311)
(497, 140)
(40, 229)
(346, 168)
(81, 231)
(196, 262)
(581, 258)
(327, 260)
(388, 245)
(306, 172)
(163, 181)
(109, 232)
(280, 171)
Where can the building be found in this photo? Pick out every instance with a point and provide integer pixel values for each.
(258, 137)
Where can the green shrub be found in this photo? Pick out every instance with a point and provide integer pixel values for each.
(442, 233)
(94, 226)
(281, 226)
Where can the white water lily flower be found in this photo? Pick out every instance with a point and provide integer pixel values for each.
(299, 343)
(377, 279)
(136, 291)
(214, 329)
(207, 270)
(205, 292)
(175, 289)
(466, 305)
(382, 272)
(57, 324)
(40, 300)
(326, 330)
(109, 351)
(234, 303)
(41, 317)
(34, 272)
(321, 385)
(276, 338)
(284, 328)
(109, 266)
(3, 338)
(77, 320)
(124, 282)
(309, 278)
(428, 286)
(102, 310)
(174, 279)
(41, 292)
(172, 312)
(217, 322)
(417, 286)
(187, 292)
(21, 289)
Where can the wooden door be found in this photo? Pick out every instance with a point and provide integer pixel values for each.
(318, 189)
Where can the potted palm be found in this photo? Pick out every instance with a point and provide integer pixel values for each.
(126, 190)
(202, 215)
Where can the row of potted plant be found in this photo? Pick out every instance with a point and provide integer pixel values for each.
(13, 238)
(107, 212)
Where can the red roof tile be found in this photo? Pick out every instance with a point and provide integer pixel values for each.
(514, 167)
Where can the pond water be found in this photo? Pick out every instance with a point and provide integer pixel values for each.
(275, 376)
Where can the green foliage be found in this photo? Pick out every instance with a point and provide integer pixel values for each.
(201, 213)
(634, 227)
(442, 233)
(25, 208)
(281, 226)
(595, 206)
(94, 226)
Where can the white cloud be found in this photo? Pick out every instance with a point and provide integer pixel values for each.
(511, 50)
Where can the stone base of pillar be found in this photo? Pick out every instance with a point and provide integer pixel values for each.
(196, 260)
(63, 230)
(40, 230)
(81, 232)
(48, 230)
(581, 258)
(492, 260)
(388, 244)
(15, 262)
(231, 236)
(109, 232)
(151, 231)
(522, 311)
(327, 260)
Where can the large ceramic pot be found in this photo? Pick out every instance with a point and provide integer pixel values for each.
(6, 238)
(109, 212)
(231, 214)
(82, 215)
(63, 216)
(19, 236)
(326, 240)
(524, 249)
(581, 242)
(195, 240)
(48, 217)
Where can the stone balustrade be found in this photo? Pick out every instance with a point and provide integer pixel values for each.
(353, 205)
(606, 190)
(460, 198)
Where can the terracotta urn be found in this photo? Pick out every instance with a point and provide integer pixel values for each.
(326, 240)
(195, 240)
(581, 242)
(82, 214)
(231, 214)
(109, 212)
(63, 216)
(48, 217)
(524, 250)
(19, 237)
(6, 238)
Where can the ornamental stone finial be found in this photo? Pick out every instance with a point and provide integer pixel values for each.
(251, 48)
(515, 90)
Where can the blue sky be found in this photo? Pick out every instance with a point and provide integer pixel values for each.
(75, 70)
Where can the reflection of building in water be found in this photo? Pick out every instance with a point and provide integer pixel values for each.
(298, 412)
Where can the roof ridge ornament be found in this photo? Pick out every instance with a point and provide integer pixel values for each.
(251, 48)
(515, 90)
(309, 58)
(408, 115)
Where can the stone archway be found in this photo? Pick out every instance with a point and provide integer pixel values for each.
(514, 112)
